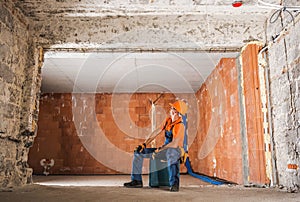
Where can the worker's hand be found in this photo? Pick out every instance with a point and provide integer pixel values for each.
(140, 148)
(157, 150)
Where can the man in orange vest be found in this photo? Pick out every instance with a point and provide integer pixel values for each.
(174, 135)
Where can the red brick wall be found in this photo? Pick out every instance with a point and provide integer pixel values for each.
(254, 115)
(217, 150)
(60, 134)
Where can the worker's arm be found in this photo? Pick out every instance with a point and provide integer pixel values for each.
(157, 131)
(148, 140)
(153, 135)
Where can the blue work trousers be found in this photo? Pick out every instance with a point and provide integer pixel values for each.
(172, 155)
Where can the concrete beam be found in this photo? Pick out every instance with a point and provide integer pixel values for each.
(152, 32)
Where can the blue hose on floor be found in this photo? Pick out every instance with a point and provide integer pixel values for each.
(188, 163)
(201, 177)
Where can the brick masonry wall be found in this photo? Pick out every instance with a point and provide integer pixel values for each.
(18, 92)
(100, 137)
(253, 115)
(217, 149)
(284, 64)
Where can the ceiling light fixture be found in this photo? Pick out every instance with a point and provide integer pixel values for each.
(237, 4)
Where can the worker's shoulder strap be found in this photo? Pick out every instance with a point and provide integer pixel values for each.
(176, 124)
(166, 123)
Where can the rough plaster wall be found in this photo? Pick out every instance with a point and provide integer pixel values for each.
(158, 24)
(17, 67)
(149, 32)
(284, 61)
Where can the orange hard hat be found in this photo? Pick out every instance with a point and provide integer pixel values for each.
(180, 106)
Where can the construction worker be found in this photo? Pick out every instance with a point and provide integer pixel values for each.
(174, 135)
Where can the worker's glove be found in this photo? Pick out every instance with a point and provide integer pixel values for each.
(140, 148)
(183, 156)
(157, 150)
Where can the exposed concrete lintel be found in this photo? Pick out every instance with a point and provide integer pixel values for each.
(98, 49)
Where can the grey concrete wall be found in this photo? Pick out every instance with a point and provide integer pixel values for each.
(144, 24)
(157, 32)
(284, 63)
(19, 84)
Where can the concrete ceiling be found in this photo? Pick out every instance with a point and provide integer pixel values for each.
(138, 45)
(128, 72)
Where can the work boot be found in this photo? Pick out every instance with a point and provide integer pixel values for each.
(174, 188)
(134, 184)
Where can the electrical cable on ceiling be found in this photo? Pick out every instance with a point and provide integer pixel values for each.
(263, 4)
(279, 10)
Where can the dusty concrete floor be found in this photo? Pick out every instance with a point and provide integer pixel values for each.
(109, 188)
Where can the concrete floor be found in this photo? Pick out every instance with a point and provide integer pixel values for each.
(105, 180)
(110, 188)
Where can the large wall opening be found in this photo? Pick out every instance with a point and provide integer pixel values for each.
(96, 108)
(245, 126)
